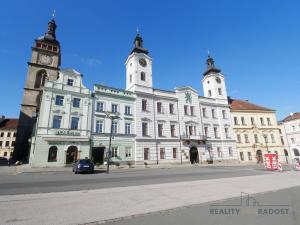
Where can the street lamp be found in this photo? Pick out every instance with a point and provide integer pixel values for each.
(265, 137)
(112, 116)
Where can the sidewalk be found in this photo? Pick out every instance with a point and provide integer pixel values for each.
(80, 207)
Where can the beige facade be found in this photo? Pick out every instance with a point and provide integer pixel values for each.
(256, 132)
(8, 131)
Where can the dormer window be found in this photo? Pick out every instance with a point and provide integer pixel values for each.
(70, 82)
(143, 76)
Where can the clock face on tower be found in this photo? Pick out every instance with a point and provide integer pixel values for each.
(45, 59)
(143, 62)
(218, 80)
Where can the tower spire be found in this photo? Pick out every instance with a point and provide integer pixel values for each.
(138, 44)
(210, 63)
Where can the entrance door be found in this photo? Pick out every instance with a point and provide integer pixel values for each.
(259, 156)
(194, 155)
(71, 154)
(98, 155)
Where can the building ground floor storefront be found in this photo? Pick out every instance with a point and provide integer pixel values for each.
(256, 154)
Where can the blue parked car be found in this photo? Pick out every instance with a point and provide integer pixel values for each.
(83, 165)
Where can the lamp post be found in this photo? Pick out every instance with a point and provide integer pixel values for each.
(266, 142)
(112, 116)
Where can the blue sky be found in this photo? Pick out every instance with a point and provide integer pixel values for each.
(254, 42)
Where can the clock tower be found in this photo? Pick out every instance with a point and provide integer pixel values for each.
(213, 81)
(44, 65)
(139, 68)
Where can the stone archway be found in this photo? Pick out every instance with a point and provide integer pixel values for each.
(259, 156)
(194, 155)
(72, 153)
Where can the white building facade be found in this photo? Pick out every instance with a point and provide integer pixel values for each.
(63, 127)
(291, 135)
(170, 126)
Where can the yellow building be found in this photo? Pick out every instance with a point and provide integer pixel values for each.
(256, 131)
(8, 130)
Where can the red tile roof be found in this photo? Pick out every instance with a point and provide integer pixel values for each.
(9, 124)
(237, 104)
(293, 116)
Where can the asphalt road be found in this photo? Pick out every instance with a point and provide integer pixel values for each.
(44, 182)
(271, 208)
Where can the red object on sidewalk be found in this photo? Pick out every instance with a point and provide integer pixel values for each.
(271, 161)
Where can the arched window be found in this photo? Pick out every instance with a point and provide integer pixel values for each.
(143, 76)
(40, 79)
(52, 155)
(296, 152)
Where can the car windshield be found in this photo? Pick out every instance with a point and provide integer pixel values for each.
(84, 161)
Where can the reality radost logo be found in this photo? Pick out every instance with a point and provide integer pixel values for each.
(248, 205)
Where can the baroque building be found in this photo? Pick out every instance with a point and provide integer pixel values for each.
(291, 135)
(8, 131)
(256, 132)
(153, 126)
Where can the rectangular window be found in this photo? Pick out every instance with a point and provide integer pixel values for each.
(216, 132)
(159, 108)
(272, 138)
(174, 153)
(246, 138)
(185, 110)
(2, 134)
(128, 152)
(146, 153)
(224, 114)
(213, 113)
(238, 137)
(114, 108)
(99, 126)
(114, 127)
(235, 120)
(145, 129)
(8, 134)
(76, 102)
(230, 151)
(1, 143)
(162, 153)
(15, 134)
(127, 128)
(59, 100)
(293, 140)
(269, 121)
(262, 122)
(56, 122)
(252, 121)
(74, 123)
(204, 112)
(243, 121)
(143, 76)
(242, 156)
(191, 130)
(7, 144)
(160, 130)
(144, 104)
(173, 134)
(255, 138)
(114, 152)
(127, 110)
(192, 110)
(70, 82)
(220, 155)
(100, 107)
(206, 131)
(249, 156)
(13, 144)
(220, 91)
(226, 132)
(171, 108)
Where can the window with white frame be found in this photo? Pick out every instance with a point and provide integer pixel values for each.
(114, 108)
(128, 152)
(59, 100)
(146, 154)
(224, 114)
(173, 131)
(74, 123)
(99, 126)
(114, 152)
(220, 155)
(100, 107)
(76, 102)
(226, 132)
(230, 152)
(145, 129)
(144, 104)
(272, 138)
(162, 153)
(159, 107)
(114, 127)
(70, 82)
(127, 110)
(56, 121)
(160, 130)
(174, 153)
(204, 112)
(127, 128)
